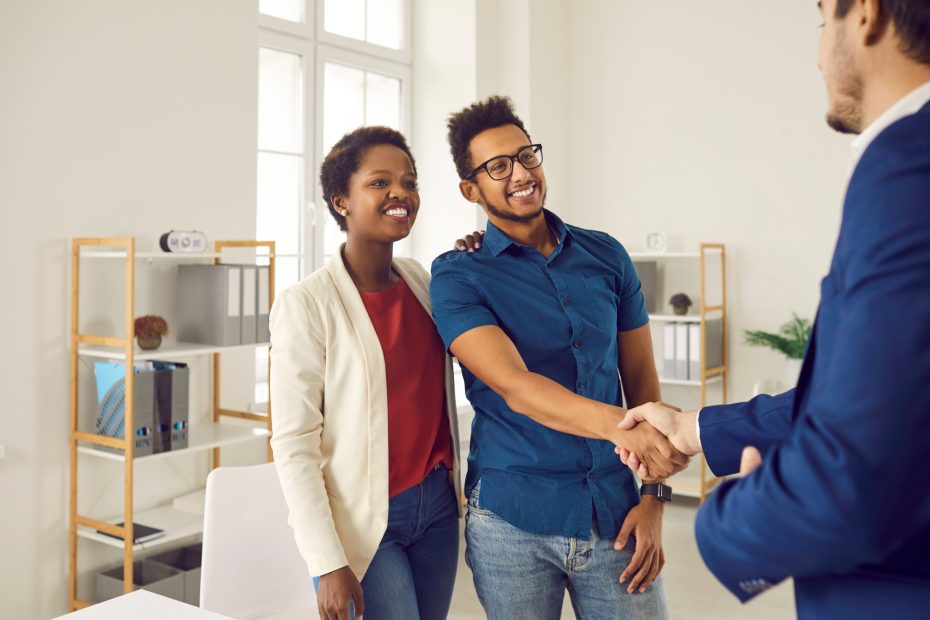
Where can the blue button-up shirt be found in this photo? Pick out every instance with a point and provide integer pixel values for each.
(563, 314)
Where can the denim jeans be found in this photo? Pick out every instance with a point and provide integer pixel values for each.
(413, 572)
(523, 576)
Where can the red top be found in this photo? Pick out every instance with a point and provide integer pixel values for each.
(414, 360)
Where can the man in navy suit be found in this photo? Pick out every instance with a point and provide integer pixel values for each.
(835, 489)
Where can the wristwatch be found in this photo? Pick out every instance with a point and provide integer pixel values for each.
(662, 491)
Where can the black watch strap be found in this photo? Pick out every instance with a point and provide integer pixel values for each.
(662, 491)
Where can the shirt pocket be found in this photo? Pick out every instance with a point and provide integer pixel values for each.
(600, 303)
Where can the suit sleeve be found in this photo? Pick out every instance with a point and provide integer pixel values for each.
(848, 486)
(726, 429)
(298, 362)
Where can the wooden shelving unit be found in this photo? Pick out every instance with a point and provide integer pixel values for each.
(176, 524)
(700, 483)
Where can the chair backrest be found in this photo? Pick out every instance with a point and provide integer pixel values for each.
(251, 566)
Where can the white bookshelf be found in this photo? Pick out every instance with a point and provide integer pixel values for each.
(182, 255)
(177, 525)
(687, 383)
(675, 318)
(659, 255)
(200, 437)
(165, 352)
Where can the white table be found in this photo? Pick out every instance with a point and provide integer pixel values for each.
(143, 605)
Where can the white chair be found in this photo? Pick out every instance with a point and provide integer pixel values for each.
(251, 568)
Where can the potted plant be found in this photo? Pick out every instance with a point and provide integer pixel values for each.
(791, 340)
(680, 303)
(149, 329)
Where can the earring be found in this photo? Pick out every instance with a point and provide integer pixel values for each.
(345, 213)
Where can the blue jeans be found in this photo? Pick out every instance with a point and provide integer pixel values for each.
(523, 576)
(413, 572)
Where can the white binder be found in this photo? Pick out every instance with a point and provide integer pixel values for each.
(262, 333)
(694, 352)
(681, 351)
(249, 304)
(668, 358)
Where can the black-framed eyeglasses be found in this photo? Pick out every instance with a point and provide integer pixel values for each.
(501, 167)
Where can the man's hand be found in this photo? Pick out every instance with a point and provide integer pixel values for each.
(658, 456)
(644, 522)
(471, 242)
(750, 460)
(679, 427)
(336, 590)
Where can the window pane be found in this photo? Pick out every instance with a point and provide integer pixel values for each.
(280, 101)
(291, 10)
(279, 210)
(345, 17)
(333, 237)
(382, 100)
(385, 19)
(343, 102)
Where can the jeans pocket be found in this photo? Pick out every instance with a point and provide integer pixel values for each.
(474, 502)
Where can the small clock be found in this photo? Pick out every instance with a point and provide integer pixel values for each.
(656, 242)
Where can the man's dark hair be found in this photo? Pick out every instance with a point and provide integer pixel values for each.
(911, 19)
(346, 156)
(494, 111)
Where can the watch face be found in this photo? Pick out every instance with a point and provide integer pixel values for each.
(665, 493)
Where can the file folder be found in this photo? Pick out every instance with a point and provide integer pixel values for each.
(648, 272)
(681, 351)
(262, 331)
(111, 407)
(249, 304)
(208, 304)
(714, 352)
(668, 358)
(171, 406)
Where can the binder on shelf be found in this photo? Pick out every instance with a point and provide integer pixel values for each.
(208, 304)
(262, 331)
(140, 533)
(171, 406)
(681, 351)
(714, 353)
(668, 358)
(694, 352)
(249, 304)
(648, 272)
(111, 407)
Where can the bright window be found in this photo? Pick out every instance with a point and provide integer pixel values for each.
(325, 67)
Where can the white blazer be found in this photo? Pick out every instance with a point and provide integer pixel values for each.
(330, 415)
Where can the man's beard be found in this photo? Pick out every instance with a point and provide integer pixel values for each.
(845, 114)
(504, 215)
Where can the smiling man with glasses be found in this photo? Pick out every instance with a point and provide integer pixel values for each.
(546, 318)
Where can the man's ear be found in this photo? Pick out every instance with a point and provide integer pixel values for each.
(873, 21)
(469, 190)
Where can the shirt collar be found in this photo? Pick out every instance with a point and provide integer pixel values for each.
(909, 104)
(497, 241)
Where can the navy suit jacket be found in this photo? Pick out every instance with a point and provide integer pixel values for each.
(841, 502)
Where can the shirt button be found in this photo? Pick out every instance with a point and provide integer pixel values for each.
(581, 385)
(576, 344)
(566, 300)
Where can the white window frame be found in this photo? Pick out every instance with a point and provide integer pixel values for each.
(363, 62)
(402, 55)
(316, 46)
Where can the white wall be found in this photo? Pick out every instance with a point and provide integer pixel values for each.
(118, 118)
(444, 81)
(705, 120)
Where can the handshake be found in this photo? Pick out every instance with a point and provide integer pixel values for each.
(656, 440)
